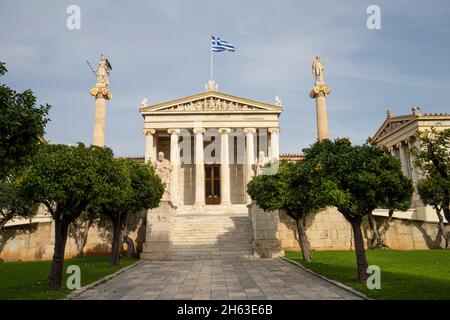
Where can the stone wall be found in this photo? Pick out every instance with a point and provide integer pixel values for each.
(34, 241)
(328, 230)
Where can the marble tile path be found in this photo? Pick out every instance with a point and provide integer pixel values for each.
(254, 279)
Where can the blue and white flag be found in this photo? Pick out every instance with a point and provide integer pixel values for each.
(219, 45)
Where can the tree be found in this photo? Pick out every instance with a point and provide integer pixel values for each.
(432, 193)
(68, 180)
(297, 189)
(432, 157)
(22, 125)
(144, 191)
(12, 203)
(367, 177)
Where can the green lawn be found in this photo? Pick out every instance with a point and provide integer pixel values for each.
(418, 274)
(28, 280)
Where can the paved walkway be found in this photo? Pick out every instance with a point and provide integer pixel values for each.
(273, 279)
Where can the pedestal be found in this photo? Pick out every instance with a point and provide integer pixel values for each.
(160, 222)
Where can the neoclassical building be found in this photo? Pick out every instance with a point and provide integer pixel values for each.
(398, 134)
(212, 141)
(212, 144)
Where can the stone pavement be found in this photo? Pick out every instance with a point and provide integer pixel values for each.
(256, 279)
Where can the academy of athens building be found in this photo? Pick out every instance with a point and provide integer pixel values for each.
(206, 147)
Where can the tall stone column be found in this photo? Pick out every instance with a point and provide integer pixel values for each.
(249, 156)
(150, 155)
(175, 162)
(274, 143)
(319, 93)
(199, 167)
(101, 94)
(225, 197)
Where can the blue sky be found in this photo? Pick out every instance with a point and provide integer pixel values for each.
(160, 50)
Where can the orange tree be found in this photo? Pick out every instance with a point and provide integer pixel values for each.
(367, 177)
(68, 180)
(299, 190)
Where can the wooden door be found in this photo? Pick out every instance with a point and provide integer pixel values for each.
(212, 184)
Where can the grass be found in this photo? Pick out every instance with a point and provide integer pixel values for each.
(29, 280)
(415, 275)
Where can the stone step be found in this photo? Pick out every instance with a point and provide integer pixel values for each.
(210, 255)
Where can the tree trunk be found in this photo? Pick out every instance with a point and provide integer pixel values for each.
(115, 247)
(55, 280)
(361, 260)
(5, 219)
(442, 228)
(377, 240)
(303, 239)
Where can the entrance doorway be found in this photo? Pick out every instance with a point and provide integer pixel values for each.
(212, 183)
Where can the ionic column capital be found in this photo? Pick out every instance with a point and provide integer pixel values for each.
(249, 130)
(173, 131)
(199, 130)
(224, 130)
(273, 130)
(147, 131)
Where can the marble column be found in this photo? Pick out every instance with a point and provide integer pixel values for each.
(101, 94)
(274, 143)
(249, 157)
(175, 162)
(225, 197)
(150, 151)
(319, 93)
(199, 167)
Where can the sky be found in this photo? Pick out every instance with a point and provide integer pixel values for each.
(161, 50)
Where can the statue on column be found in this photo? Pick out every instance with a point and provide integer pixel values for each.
(102, 71)
(163, 169)
(317, 69)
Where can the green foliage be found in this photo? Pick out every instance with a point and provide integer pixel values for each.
(431, 192)
(12, 203)
(68, 179)
(143, 190)
(22, 124)
(367, 177)
(297, 188)
(432, 155)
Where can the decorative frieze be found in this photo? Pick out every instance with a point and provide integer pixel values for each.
(211, 104)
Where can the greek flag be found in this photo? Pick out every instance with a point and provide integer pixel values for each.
(219, 45)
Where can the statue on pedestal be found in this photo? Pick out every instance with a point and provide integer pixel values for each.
(163, 169)
(102, 71)
(317, 69)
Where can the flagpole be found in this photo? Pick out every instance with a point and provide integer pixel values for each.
(211, 62)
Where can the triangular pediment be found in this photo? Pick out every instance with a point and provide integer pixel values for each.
(211, 101)
(393, 124)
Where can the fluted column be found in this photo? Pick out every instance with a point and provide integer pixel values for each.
(150, 155)
(274, 143)
(175, 162)
(225, 197)
(249, 156)
(199, 167)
